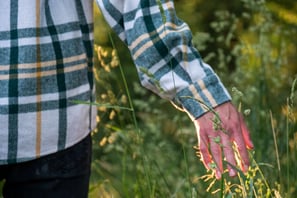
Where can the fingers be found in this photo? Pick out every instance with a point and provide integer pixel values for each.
(240, 143)
(210, 153)
(211, 148)
(241, 137)
(246, 134)
(211, 145)
(216, 144)
(229, 155)
(216, 153)
(203, 148)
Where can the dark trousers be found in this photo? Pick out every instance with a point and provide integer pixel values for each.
(63, 174)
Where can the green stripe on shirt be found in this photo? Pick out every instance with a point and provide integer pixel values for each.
(60, 79)
(13, 85)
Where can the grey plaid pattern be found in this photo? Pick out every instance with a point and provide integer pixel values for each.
(160, 44)
(46, 62)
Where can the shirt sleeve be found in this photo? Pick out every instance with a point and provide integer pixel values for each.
(161, 46)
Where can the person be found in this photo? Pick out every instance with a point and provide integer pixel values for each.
(46, 63)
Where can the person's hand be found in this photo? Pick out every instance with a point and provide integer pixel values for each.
(220, 133)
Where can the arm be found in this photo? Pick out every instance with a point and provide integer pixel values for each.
(168, 64)
(161, 48)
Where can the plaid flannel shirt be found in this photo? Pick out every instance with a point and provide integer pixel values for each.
(161, 47)
(46, 62)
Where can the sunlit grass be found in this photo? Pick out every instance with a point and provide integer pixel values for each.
(150, 150)
(133, 164)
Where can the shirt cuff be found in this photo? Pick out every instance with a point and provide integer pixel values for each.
(201, 96)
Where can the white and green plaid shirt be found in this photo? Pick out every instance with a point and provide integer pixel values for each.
(46, 62)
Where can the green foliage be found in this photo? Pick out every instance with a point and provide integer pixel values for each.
(147, 148)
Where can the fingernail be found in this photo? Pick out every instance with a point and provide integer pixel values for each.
(251, 146)
(232, 173)
(245, 168)
(218, 174)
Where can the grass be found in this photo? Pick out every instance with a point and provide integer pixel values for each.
(156, 155)
(150, 151)
(143, 147)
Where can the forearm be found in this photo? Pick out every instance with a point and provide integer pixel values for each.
(161, 47)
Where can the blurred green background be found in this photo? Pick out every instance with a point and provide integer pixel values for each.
(149, 151)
